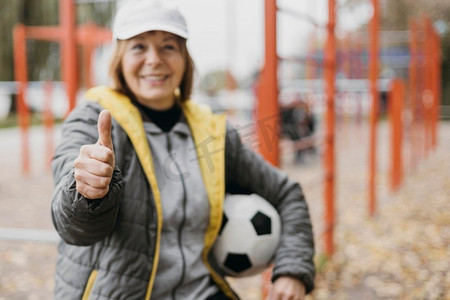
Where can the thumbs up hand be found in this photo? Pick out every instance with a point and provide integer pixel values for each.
(95, 164)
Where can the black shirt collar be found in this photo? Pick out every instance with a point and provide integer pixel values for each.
(164, 119)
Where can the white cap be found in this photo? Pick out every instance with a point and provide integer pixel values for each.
(147, 15)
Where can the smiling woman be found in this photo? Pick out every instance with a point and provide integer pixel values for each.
(153, 65)
(141, 174)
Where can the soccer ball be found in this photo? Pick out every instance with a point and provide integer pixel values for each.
(248, 237)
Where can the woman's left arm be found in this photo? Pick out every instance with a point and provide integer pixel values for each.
(247, 172)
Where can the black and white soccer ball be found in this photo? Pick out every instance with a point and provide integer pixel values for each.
(249, 235)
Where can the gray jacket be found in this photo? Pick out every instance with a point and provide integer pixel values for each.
(109, 245)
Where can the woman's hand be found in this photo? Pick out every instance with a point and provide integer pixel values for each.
(287, 288)
(95, 164)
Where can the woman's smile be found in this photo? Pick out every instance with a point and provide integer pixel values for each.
(154, 79)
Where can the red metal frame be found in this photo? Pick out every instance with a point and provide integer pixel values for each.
(329, 157)
(69, 49)
(431, 94)
(267, 113)
(425, 85)
(68, 35)
(267, 110)
(20, 73)
(396, 106)
(373, 77)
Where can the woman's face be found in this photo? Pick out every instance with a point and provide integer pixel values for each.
(153, 66)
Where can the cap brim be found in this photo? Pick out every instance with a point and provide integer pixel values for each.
(127, 33)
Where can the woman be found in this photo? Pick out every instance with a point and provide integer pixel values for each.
(138, 197)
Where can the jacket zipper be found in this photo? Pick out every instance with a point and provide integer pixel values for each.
(183, 220)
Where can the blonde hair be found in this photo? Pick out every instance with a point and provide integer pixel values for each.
(120, 85)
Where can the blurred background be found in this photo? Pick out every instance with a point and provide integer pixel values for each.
(367, 136)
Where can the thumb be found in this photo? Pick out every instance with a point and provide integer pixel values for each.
(104, 129)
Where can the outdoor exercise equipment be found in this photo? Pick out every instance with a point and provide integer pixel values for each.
(69, 36)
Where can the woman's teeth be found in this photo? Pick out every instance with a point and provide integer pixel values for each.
(155, 78)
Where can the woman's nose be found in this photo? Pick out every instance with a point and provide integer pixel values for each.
(153, 57)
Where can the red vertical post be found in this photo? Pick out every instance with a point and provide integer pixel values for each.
(69, 49)
(396, 99)
(20, 73)
(373, 77)
(268, 109)
(329, 159)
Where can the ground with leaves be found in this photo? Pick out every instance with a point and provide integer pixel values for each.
(401, 253)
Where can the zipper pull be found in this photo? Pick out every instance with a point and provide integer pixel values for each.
(169, 144)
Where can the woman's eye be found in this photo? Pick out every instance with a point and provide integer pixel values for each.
(137, 47)
(170, 47)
